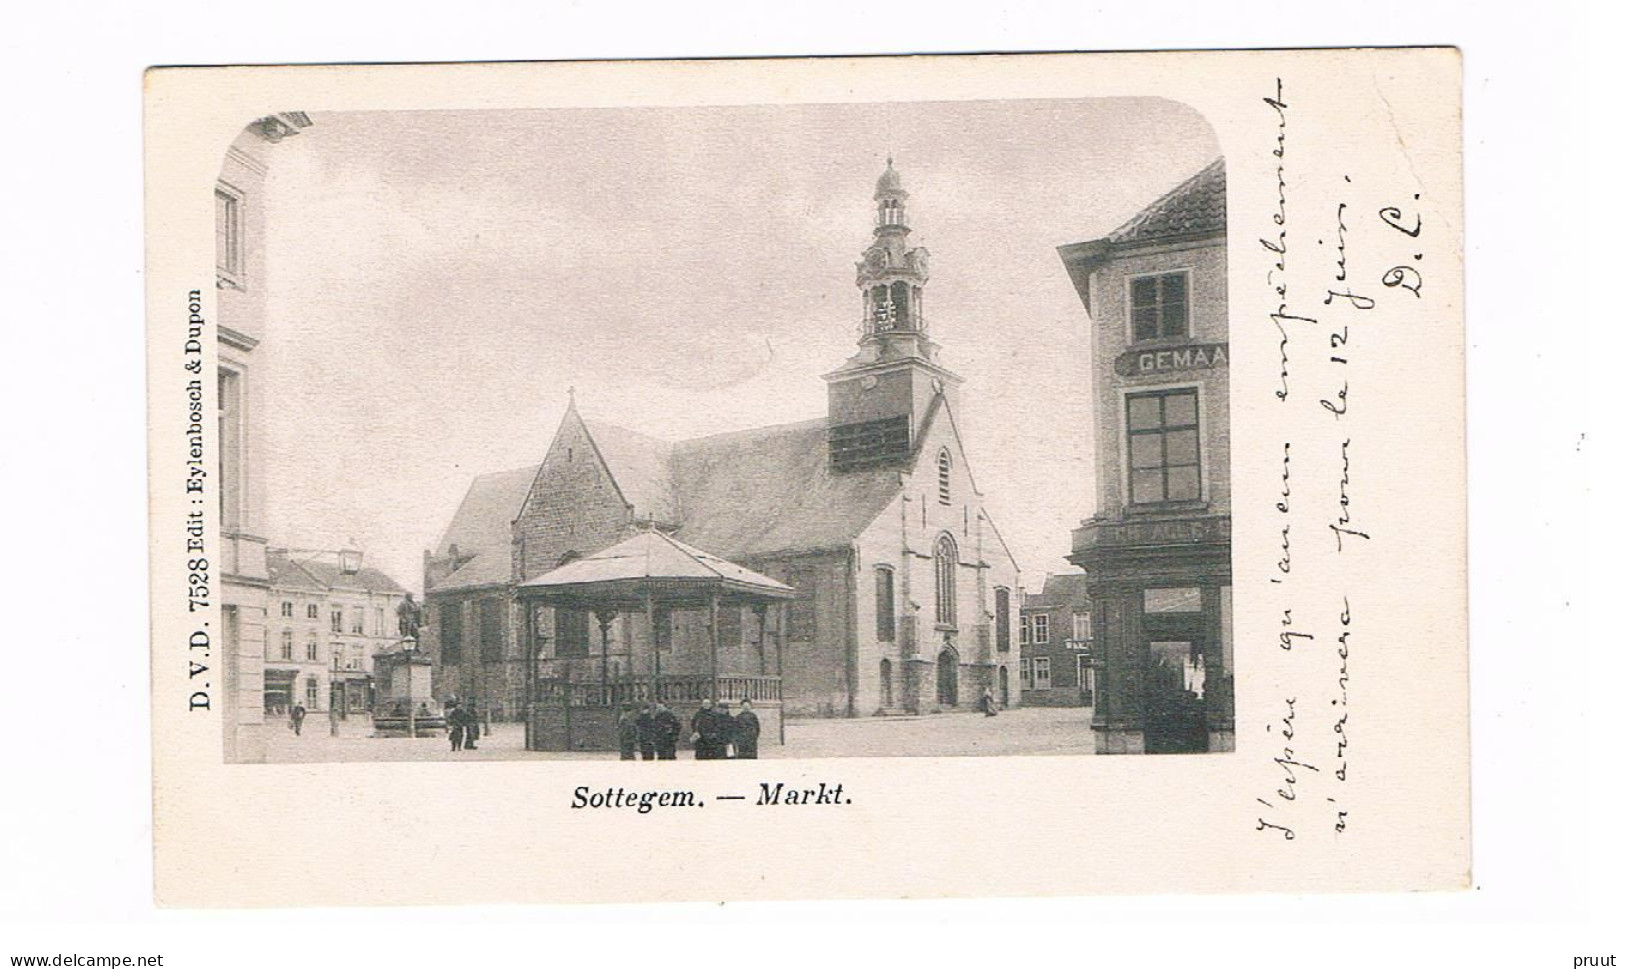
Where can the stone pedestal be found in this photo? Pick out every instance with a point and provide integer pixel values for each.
(1111, 740)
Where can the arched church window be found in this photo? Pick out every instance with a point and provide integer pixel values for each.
(947, 569)
(945, 470)
(899, 299)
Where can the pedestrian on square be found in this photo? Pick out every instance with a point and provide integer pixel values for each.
(645, 726)
(455, 723)
(627, 734)
(747, 729)
(666, 730)
(989, 706)
(710, 731)
(296, 717)
(471, 726)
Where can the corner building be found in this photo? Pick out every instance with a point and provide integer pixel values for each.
(1157, 550)
(240, 281)
(903, 587)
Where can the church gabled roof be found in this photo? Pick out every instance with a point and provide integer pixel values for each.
(641, 466)
(771, 489)
(482, 529)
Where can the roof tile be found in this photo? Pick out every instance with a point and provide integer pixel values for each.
(1195, 207)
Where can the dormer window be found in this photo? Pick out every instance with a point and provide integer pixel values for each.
(1159, 306)
(945, 469)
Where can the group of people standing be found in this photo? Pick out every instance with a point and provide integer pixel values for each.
(653, 731)
(462, 725)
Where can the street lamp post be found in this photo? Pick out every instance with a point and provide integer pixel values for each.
(409, 646)
(332, 699)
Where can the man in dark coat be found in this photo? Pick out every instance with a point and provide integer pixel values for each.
(456, 723)
(710, 728)
(666, 730)
(471, 726)
(297, 716)
(626, 733)
(747, 728)
(645, 725)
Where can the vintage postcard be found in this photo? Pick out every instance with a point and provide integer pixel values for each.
(1032, 474)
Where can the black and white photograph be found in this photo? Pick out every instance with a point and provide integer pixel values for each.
(784, 431)
(666, 484)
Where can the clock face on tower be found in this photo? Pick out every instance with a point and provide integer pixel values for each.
(875, 259)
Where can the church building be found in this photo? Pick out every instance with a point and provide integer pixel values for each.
(902, 586)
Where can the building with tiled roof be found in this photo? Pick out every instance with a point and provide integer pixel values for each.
(1157, 550)
(329, 615)
(1057, 659)
(903, 587)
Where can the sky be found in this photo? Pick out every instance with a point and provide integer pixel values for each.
(438, 281)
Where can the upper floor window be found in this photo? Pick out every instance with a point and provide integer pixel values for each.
(1001, 619)
(947, 568)
(287, 644)
(230, 405)
(945, 471)
(1082, 631)
(1159, 306)
(358, 621)
(1164, 460)
(1026, 630)
(287, 610)
(885, 604)
(313, 611)
(311, 648)
(337, 621)
(1040, 629)
(228, 236)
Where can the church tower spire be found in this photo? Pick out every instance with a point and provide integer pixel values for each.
(892, 276)
(880, 399)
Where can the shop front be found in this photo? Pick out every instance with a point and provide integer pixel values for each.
(1162, 623)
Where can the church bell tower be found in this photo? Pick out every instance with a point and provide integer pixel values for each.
(879, 397)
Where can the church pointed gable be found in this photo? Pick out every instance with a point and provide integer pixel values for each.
(939, 432)
(925, 454)
(575, 504)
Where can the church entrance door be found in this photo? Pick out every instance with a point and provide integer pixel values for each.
(885, 683)
(948, 677)
(1004, 686)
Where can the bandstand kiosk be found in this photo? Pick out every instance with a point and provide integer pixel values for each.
(576, 696)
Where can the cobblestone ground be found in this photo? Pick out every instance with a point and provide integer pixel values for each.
(1026, 732)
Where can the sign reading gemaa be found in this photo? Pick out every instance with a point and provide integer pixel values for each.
(1191, 356)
